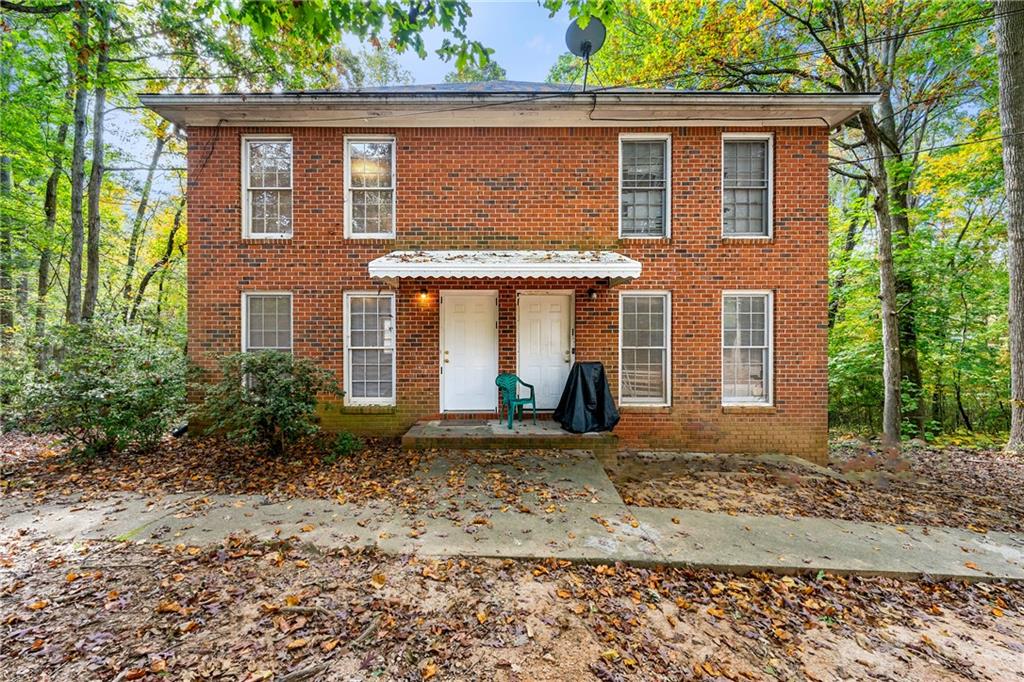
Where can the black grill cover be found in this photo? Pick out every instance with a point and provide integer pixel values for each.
(586, 403)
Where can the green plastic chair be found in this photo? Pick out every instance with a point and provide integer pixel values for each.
(507, 384)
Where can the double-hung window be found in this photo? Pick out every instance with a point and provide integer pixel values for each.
(267, 321)
(645, 322)
(369, 349)
(747, 347)
(267, 187)
(746, 185)
(370, 187)
(644, 196)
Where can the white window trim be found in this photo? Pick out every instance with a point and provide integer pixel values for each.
(770, 138)
(349, 139)
(659, 137)
(347, 327)
(247, 232)
(644, 402)
(769, 400)
(245, 317)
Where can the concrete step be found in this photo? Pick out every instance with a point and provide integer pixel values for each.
(494, 435)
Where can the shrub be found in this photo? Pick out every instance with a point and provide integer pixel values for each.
(266, 398)
(343, 445)
(107, 387)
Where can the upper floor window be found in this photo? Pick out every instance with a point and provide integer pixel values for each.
(267, 187)
(370, 187)
(267, 321)
(747, 347)
(644, 203)
(746, 185)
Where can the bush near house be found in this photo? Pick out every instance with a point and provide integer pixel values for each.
(265, 398)
(107, 387)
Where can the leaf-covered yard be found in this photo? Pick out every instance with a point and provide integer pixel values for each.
(248, 611)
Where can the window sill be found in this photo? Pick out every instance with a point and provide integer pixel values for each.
(379, 237)
(747, 238)
(748, 408)
(369, 409)
(630, 407)
(640, 237)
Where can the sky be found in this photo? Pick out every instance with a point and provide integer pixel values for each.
(526, 42)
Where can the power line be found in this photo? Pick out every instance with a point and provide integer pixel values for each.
(929, 149)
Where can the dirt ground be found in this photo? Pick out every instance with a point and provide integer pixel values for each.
(949, 486)
(252, 611)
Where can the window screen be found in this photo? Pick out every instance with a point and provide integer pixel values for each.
(269, 187)
(745, 188)
(371, 348)
(643, 188)
(268, 322)
(644, 348)
(371, 187)
(745, 348)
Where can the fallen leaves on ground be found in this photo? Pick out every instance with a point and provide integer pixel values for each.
(36, 469)
(949, 486)
(239, 613)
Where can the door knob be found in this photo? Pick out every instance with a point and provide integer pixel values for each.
(446, 356)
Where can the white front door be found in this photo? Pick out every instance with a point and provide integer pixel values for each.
(469, 351)
(545, 344)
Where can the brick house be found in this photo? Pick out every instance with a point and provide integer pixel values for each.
(417, 240)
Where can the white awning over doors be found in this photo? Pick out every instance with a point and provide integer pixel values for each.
(505, 265)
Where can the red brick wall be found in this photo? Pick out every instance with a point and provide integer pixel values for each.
(532, 188)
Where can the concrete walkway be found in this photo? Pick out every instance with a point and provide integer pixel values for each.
(588, 523)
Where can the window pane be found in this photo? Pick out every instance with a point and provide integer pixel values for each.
(270, 211)
(745, 187)
(644, 348)
(269, 321)
(745, 346)
(643, 187)
(370, 164)
(270, 164)
(372, 211)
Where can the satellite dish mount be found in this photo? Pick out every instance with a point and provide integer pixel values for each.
(584, 42)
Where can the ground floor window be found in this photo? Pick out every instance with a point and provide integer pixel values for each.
(746, 347)
(644, 323)
(369, 348)
(267, 321)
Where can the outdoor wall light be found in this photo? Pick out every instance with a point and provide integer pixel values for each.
(592, 294)
(423, 295)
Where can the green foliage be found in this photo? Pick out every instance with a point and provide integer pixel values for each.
(470, 73)
(108, 389)
(344, 445)
(265, 398)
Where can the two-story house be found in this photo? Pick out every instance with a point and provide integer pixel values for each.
(417, 240)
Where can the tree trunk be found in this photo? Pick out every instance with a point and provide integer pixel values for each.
(92, 274)
(891, 410)
(853, 230)
(81, 48)
(6, 234)
(157, 266)
(50, 216)
(6, 259)
(1010, 50)
(137, 224)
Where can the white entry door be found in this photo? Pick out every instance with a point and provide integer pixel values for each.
(545, 344)
(469, 351)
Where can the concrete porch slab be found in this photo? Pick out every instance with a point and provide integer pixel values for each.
(492, 434)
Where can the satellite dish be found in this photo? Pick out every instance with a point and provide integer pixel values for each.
(584, 42)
